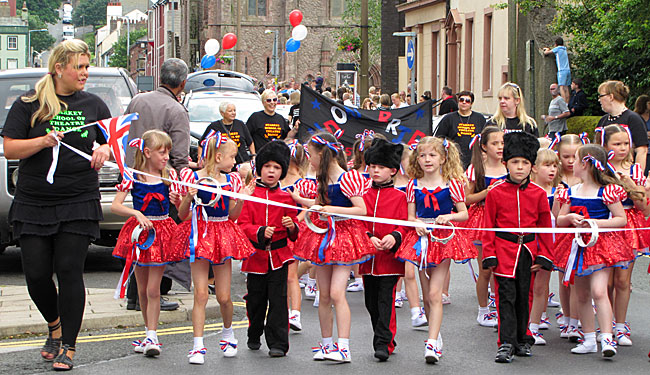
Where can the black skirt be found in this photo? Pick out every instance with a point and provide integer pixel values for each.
(78, 218)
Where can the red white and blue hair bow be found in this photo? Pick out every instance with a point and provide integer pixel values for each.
(474, 140)
(413, 146)
(306, 151)
(332, 145)
(445, 144)
(601, 130)
(366, 134)
(137, 143)
(220, 139)
(627, 130)
(293, 146)
(584, 138)
(555, 141)
(597, 164)
(338, 134)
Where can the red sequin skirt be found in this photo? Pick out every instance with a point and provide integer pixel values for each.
(162, 250)
(475, 220)
(302, 229)
(350, 246)
(458, 249)
(637, 239)
(220, 241)
(611, 250)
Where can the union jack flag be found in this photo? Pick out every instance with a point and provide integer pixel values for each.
(116, 132)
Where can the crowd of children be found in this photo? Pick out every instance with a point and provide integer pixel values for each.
(512, 182)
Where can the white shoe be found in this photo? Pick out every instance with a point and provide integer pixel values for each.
(584, 349)
(303, 279)
(229, 347)
(564, 333)
(399, 302)
(138, 346)
(490, 319)
(310, 291)
(446, 299)
(574, 334)
(403, 294)
(317, 299)
(608, 348)
(355, 286)
(320, 351)
(197, 357)
(539, 338)
(151, 349)
(551, 301)
(301, 285)
(294, 323)
(493, 301)
(544, 323)
(432, 352)
(338, 355)
(420, 320)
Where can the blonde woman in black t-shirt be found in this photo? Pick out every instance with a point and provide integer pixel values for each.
(511, 113)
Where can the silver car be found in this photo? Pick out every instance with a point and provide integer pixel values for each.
(116, 88)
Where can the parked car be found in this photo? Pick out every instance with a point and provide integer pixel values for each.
(116, 88)
(203, 108)
(221, 80)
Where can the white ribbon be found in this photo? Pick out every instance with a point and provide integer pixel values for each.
(576, 244)
(55, 158)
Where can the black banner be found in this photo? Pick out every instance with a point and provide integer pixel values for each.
(403, 125)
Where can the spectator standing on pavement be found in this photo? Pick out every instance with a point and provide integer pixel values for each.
(461, 126)
(55, 222)
(642, 107)
(558, 112)
(384, 102)
(612, 96)
(448, 104)
(267, 125)
(563, 68)
(511, 112)
(234, 129)
(578, 101)
(397, 101)
(294, 111)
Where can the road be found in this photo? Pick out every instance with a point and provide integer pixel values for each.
(468, 347)
(56, 31)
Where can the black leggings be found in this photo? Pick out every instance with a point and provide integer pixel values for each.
(65, 254)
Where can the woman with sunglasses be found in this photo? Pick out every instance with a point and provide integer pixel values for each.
(511, 113)
(267, 125)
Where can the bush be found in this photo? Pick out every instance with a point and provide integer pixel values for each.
(581, 124)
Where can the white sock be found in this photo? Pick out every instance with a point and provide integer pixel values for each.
(533, 327)
(544, 317)
(606, 336)
(620, 327)
(573, 323)
(344, 343)
(415, 311)
(295, 312)
(327, 341)
(311, 281)
(152, 335)
(227, 333)
(198, 343)
(590, 338)
(358, 280)
(483, 310)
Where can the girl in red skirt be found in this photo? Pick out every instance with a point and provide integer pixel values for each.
(150, 212)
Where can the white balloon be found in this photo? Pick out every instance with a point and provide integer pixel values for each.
(299, 32)
(212, 47)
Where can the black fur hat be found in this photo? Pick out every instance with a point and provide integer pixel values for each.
(384, 153)
(276, 151)
(520, 144)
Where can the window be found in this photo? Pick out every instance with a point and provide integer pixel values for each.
(175, 5)
(337, 7)
(257, 8)
(487, 54)
(12, 42)
(12, 63)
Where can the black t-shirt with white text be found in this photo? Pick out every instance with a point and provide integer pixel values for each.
(294, 112)
(514, 124)
(264, 128)
(238, 132)
(461, 129)
(74, 179)
(635, 123)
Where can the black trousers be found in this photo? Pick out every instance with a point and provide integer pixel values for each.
(379, 294)
(269, 289)
(513, 301)
(64, 254)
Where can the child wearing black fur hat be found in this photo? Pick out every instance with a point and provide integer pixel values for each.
(269, 228)
(514, 257)
(380, 275)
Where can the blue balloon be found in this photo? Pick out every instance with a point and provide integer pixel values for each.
(292, 45)
(208, 61)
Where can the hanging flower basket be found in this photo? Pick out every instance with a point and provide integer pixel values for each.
(349, 43)
(224, 60)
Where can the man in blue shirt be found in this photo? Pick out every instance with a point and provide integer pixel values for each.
(563, 69)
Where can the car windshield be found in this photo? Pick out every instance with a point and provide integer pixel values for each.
(206, 109)
(113, 91)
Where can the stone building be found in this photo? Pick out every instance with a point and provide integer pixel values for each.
(204, 19)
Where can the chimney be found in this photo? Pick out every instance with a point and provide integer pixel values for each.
(25, 13)
(5, 9)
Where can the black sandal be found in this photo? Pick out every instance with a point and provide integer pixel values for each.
(64, 359)
(52, 345)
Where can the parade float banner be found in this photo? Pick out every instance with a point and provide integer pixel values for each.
(403, 125)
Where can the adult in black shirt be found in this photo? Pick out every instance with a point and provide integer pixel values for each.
(461, 126)
(234, 129)
(265, 126)
(55, 222)
(294, 111)
(612, 96)
(578, 101)
(511, 113)
(448, 104)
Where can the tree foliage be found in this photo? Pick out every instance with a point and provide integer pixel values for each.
(352, 19)
(40, 40)
(120, 56)
(46, 10)
(90, 12)
(608, 39)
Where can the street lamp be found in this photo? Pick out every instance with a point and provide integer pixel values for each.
(128, 40)
(29, 45)
(275, 67)
(411, 34)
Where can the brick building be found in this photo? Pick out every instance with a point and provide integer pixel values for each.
(164, 35)
(204, 19)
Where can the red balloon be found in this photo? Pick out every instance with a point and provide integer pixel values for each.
(229, 40)
(295, 17)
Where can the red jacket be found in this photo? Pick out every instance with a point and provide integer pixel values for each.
(508, 206)
(254, 219)
(386, 202)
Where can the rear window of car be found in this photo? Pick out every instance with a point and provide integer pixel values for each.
(113, 91)
(206, 109)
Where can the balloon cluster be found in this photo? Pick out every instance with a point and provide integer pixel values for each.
(212, 47)
(298, 33)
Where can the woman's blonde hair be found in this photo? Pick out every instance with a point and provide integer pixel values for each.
(266, 93)
(548, 156)
(210, 162)
(452, 166)
(154, 140)
(50, 105)
(500, 119)
(294, 98)
(618, 89)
